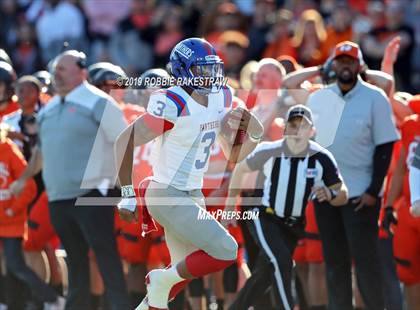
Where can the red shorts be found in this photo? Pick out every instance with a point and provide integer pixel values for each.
(299, 255)
(159, 253)
(40, 229)
(236, 233)
(135, 249)
(131, 245)
(382, 233)
(241, 255)
(118, 236)
(407, 245)
(313, 241)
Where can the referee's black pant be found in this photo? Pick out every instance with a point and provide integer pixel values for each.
(348, 234)
(251, 246)
(81, 228)
(274, 265)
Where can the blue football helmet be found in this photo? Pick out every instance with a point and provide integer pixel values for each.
(197, 58)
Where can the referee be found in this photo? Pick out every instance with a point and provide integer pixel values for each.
(295, 169)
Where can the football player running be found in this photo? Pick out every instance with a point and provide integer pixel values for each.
(185, 120)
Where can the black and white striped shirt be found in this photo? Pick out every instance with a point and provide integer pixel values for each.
(289, 179)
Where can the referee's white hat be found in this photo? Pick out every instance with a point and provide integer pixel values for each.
(299, 110)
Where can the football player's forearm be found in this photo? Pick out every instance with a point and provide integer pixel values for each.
(396, 186)
(124, 149)
(241, 151)
(235, 181)
(255, 131)
(397, 180)
(400, 109)
(139, 133)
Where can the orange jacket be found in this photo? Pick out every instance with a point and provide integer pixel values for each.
(11, 107)
(12, 165)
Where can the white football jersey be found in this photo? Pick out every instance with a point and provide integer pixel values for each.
(180, 156)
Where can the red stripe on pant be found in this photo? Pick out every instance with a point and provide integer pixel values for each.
(177, 288)
(199, 264)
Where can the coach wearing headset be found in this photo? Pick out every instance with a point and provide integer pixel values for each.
(77, 130)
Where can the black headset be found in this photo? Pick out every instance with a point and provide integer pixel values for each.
(81, 57)
(81, 60)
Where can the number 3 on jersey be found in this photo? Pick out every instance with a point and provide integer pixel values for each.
(207, 139)
(159, 108)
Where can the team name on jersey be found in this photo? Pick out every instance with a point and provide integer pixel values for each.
(209, 126)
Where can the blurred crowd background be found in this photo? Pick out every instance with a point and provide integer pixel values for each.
(139, 34)
(249, 35)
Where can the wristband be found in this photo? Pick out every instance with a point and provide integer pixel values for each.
(127, 191)
(129, 204)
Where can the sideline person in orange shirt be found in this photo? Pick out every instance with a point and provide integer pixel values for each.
(13, 212)
(407, 230)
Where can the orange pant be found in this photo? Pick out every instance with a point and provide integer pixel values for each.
(40, 229)
(407, 245)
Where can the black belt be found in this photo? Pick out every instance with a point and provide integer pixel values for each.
(290, 221)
